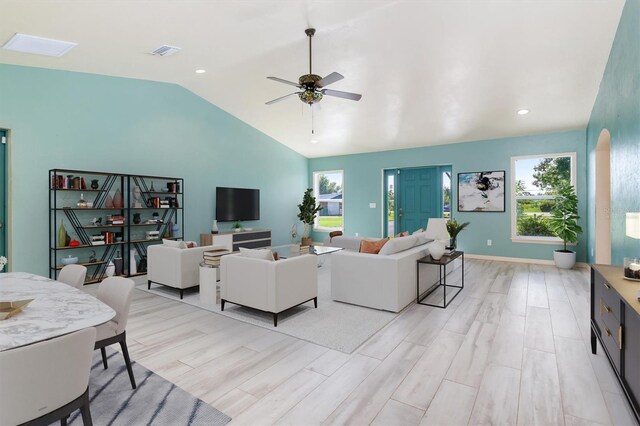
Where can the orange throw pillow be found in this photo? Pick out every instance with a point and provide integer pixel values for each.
(372, 247)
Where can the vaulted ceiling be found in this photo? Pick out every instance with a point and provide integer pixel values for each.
(430, 72)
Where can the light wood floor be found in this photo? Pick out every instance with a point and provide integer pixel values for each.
(513, 348)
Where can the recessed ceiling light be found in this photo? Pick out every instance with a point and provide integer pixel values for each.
(523, 111)
(200, 71)
(314, 141)
(38, 45)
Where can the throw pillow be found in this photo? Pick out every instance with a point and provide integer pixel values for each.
(372, 246)
(172, 243)
(264, 254)
(191, 244)
(397, 245)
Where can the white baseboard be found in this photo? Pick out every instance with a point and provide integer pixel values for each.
(519, 260)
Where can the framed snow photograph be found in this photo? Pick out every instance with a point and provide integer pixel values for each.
(481, 191)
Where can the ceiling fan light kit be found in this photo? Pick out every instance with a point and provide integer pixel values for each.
(312, 85)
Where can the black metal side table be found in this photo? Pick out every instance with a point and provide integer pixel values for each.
(442, 281)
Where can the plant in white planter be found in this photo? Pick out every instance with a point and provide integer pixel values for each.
(308, 211)
(564, 224)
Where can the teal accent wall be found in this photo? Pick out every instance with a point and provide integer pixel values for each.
(363, 184)
(617, 108)
(82, 121)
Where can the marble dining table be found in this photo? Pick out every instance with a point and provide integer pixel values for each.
(57, 309)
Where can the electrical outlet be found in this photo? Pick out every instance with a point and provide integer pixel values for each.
(489, 242)
(356, 234)
(372, 205)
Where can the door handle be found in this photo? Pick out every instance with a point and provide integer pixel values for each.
(1, 225)
(400, 212)
(607, 286)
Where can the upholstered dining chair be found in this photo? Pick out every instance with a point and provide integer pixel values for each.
(73, 275)
(47, 381)
(115, 292)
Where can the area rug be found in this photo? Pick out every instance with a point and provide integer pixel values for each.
(155, 401)
(334, 325)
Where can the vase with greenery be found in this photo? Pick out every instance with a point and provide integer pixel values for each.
(237, 227)
(564, 224)
(308, 211)
(454, 228)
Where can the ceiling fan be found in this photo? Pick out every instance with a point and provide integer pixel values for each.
(312, 86)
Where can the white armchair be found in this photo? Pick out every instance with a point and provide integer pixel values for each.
(267, 285)
(174, 267)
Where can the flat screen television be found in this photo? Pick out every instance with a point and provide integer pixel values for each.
(235, 204)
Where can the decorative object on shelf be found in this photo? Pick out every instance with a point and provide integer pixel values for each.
(151, 188)
(481, 191)
(69, 260)
(437, 249)
(214, 227)
(89, 204)
(136, 218)
(118, 199)
(94, 184)
(96, 221)
(632, 230)
(3, 261)
(293, 233)
(133, 267)
(164, 189)
(62, 235)
(632, 268)
(454, 228)
(237, 227)
(109, 202)
(564, 224)
(137, 196)
(308, 211)
(77, 183)
(118, 263)
(110, 269)
(173, 187)
(73, 243)
(82, 204)
(92, 257)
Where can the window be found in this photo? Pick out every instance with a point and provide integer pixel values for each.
(534, 180)
(446, 194)
(328, 189)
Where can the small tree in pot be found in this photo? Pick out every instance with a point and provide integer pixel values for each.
(308, 211)
(564, 224)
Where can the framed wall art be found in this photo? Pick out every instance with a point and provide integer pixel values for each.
(481, 191)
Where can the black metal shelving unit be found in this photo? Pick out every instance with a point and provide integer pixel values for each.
(167, 203)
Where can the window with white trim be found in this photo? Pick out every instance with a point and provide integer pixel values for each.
(328, 188)
(534, 180)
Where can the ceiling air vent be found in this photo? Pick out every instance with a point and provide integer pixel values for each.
(38, 45)
(165, 50)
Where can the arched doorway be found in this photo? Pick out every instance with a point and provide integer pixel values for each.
(603, 198)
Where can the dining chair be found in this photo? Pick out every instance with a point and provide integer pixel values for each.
(115, 292)
(73, 275)
(47, 381)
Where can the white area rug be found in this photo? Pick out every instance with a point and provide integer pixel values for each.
(335, 325)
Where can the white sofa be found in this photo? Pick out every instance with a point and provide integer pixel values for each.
(380, 281)
(174, 267)
(268, 285)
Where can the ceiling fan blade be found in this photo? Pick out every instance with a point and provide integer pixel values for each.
(281, 98)
(344, 95)
(330, 79)
(281, 80)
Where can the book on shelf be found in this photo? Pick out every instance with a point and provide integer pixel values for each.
(97, 243)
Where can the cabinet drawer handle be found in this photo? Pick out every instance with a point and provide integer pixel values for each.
(606, 308)
(620, 337)
(607, 286)
(607, 331)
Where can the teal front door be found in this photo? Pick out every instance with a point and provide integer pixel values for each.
(3, 194)
(419, 195)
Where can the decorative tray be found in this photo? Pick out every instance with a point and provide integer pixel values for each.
(9, 309)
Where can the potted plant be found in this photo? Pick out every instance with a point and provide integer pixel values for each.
(237, 227)
(564, 224)
(308, 210)
(454, 228)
